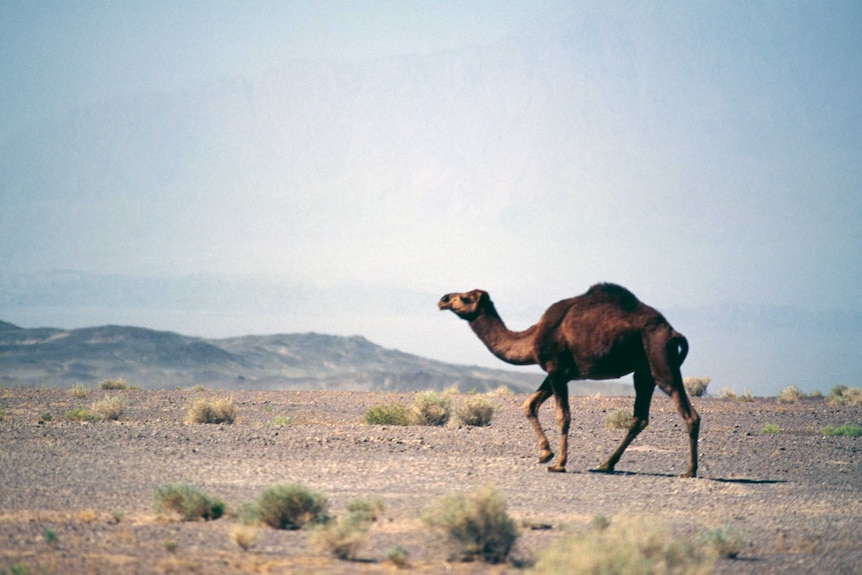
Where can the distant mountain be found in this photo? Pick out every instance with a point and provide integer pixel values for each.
(157, 359)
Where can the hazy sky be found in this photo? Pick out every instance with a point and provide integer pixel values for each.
(702, 154)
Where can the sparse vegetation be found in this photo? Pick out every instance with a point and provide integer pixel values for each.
(842, 431)
(790, 394)
(843, 395)
(219, 410)
(82, 414)
(109, 408)
(726, 393)
(280, 421)
(476, 411)
(430, 408)
(389, 414)
(632, 546)
(619, 419)
(478, 524)
(189, 502)
(117, 384)
(49, 536)
(770, 429)
(370, 508)
(745, 396)
(79, 391)
(726, 541)
(245, 536)
(502, 391)
(344, 535)
(18, 568)
(291, 506)
(398, 556)
(696, 386)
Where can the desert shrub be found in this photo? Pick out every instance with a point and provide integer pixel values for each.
(78, 391)
(790, 394)
(189, 502)
(280, 421)
(726, 541)
(343, 535)
(430, 408)
(398, 556)
(619, 419)
(696, 386)
(770, 429)
(17, 568)
(629, 546)
(109, 408)
(245, 536)
(502, 391)
(746, 396)
(843, 395)
(219, 410)
(842, 431)
(390, 414)
(117, 384)
(290, 506)
(477, 523)
(81, 414)
(475, 411)
(370, 508)
(726, 393)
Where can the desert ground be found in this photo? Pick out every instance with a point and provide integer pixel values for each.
(79, 497)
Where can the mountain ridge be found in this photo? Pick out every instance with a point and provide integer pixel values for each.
(152, 359)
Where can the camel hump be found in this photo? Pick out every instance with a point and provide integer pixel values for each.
(616, 294)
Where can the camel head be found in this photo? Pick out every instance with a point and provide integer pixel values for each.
(467, 305)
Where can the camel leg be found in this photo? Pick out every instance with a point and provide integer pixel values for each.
(644, 387)
(531, 410)
(564, 419)
(691, 418)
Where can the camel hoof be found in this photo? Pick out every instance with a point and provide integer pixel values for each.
(689, 473)
(602, 469)
(546, 456)
(556, 469)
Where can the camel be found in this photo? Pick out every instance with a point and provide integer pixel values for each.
(605, 333)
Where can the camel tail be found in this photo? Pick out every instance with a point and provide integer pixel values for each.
(677, 347)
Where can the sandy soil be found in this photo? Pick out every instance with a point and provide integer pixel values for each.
(796, 495)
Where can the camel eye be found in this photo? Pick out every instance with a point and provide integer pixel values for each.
(465, 299)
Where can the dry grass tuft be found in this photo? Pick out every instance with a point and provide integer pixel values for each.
(843, 395)
(476, 411)
(109, 408)
(246, 536)
(389, 414)
(790, 394)
(619, 419)
(696, 386)
(219, 410)
(430, 408)
(189, 502)
(290, 506)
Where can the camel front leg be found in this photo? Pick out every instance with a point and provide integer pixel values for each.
(531, 410)
(564, 419)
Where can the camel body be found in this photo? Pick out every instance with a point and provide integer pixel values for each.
(605, 333)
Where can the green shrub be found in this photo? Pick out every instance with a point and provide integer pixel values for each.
(398, 556)
(189, 502)
(476, 411)
(625, 547)
(843, 431)
(370, 508)
(219, 410)
(619, 419)
(391, 414)
(116, 385)
(477, 523)
(280, 421)
(290, 506)
(696, 386)
(81, 414)
(726, 541)
(343, 535)
(790, 394)
(109, 408)
(430, 408)
(843, 395)
(770, 428)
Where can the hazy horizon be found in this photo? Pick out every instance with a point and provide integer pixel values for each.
(276, 168)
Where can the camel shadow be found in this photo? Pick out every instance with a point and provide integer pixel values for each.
(737, 480)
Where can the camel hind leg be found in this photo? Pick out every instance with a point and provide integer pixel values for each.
(644, 387)
(531, 410)
(672, 385)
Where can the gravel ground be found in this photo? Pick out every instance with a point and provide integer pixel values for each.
(796, 495)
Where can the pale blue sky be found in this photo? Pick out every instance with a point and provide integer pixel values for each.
(702, 154)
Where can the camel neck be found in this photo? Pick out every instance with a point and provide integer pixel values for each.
(515, 347)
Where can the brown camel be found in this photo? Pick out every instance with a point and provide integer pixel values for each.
(603, 334)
